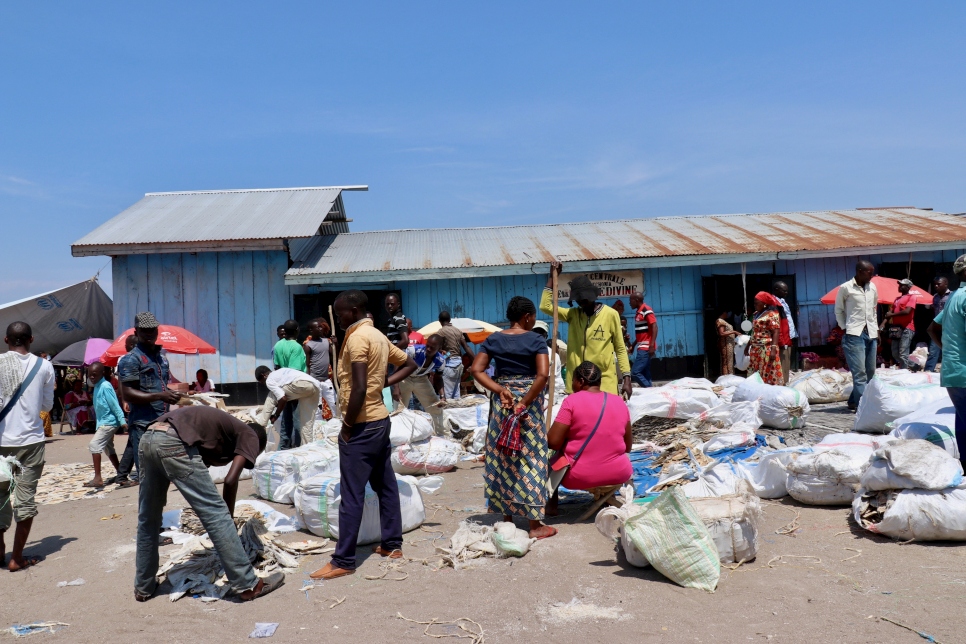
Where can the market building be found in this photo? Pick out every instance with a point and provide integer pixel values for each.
(232, 265)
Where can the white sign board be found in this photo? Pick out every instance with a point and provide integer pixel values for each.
(611, 284)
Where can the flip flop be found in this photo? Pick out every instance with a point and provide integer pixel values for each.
(127, 483)
(91, 484)
(547, 536)
(28, 562)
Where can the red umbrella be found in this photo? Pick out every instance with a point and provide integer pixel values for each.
(172, 338)
(888, 292)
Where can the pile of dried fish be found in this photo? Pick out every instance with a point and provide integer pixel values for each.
(209, 398)
(65, 482)
(646, 428)
(471, 400)
(196, 567)
(684, 451)
(874, 505)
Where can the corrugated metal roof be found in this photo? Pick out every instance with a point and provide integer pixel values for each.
(212, 220)
(464, 252)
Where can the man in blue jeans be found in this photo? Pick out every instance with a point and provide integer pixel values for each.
(645, 340)
(941, 295)
(948, 332)
(179, 448)
(364, 447)
(143, 373)
(855, 313)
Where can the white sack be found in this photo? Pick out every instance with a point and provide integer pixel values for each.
(826, 477)
(317, 501)
(409, 426)
(923, 515)
(728, 414)
(823, 385)
(433, 456)
(906, 378)
(277, 474)
(911, 464)
(729, 380)
(669, 402)
(781, 407)
(742, 362)
(883, 402)
(691, 383)
(218, 473)
(728, 440)
(935, 422)
(734, 521)
(769, 476)
(456, 418)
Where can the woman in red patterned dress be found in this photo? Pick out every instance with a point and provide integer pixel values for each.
(763, 348)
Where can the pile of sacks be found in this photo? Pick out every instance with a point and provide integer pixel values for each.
(278, 474)
(684, 398)
(912, 489)
(823, 385)
(781, 407)
(686, 539)
(415, 449)
(894, 393)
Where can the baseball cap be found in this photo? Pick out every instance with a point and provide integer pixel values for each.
(906, 282)
(960, 265)
(540, 324)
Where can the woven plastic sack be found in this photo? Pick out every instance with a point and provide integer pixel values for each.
(670, 402)
(935, 422)
(433, 456)
(823, 385)
(676, 542)
(317, 501)
(277, 474)
(466, 417)
(923, 515)
(733, 521)
(742, 361)
(408, 426)
(825, 477)
(510, 541)
(726, 415)
(729, 380)
(911, 464)
(886, 400)
(217, 473)
(781, 407)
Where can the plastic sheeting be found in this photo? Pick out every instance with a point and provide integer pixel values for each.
(62, 317)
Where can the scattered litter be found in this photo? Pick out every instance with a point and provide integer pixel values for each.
(77, 582)
(473, 540)
(110, 518)
(264, 629)
(475, 636)
(22, 630)
(577, 611)
(923, 635)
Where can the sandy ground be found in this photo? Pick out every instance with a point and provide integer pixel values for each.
(819, 591)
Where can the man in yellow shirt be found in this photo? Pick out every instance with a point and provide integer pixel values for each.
(594, 333)
(364, 447)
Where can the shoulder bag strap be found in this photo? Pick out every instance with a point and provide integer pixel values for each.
(592, 432)
(20, 389)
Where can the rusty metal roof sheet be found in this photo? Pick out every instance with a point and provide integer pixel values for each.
(216, 220)
(466, 252)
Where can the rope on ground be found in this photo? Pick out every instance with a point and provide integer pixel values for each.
(789, 529)
(734, 567)
(923, 635)
(853, 556)
(336, 601)
(391, 566)
(780, 559)
(461, 623)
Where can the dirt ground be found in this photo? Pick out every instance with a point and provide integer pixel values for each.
(829, 582)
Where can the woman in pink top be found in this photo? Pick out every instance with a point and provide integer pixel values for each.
(604, 460)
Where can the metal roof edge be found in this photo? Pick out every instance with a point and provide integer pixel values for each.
(86, 250)
(360, 188)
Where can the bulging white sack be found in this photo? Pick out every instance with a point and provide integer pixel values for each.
(742, 362)
(884, 402)
(277, 474)
(734, 521)
(826, 477)
(691, 383)
(219, 472)
(728, 440)
(911, 464)
(467, 417)
(725, 415)
(906, 378)
(935, 422)
(781, 407)
(433, 456)
(408, 426)
(729, 380)
(823, 385)
(768, 475)
(923, 515)
(670, 402)
(317, 501)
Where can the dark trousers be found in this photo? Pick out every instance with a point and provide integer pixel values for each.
(958, 396)
(365, 459)
(288, 437)
(641, 369)
(129, 460)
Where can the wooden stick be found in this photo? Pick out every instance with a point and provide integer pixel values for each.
(335, 363)
(553, 341)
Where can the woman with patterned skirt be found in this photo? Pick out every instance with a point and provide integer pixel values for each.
(517, 470)
(763, 348)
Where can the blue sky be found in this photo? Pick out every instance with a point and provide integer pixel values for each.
(454, 114)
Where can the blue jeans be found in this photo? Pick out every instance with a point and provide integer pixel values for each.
(365, 459)
(129, 460)
(288, 437)
(900, 349)
(958, 396)
(165, 459)
(935, 357)
(860, 356)
(641, 369)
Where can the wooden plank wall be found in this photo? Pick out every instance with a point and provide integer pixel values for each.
(234, 300)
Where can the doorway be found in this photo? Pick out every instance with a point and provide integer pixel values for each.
(724, 293)
(309, 307)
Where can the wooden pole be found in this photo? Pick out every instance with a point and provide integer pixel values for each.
(335, 364)
(553, 342)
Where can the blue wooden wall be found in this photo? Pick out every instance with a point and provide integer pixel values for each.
(233, 300)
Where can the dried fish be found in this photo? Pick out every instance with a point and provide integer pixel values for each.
(65, 482)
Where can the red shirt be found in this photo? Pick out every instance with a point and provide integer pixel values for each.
(904, 301)
(643, 329)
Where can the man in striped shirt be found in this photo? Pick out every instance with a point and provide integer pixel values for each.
(645, 340)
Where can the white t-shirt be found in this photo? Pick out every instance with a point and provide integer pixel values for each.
(284, 376)
(22, 425)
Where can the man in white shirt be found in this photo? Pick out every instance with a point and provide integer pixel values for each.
(26, 389)
(855, 312)
(287, 384)
(780, 290)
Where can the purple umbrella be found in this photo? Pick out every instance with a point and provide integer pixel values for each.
(82, 353)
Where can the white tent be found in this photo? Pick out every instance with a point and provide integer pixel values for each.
(60, 318)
